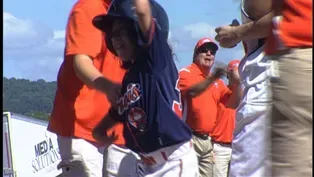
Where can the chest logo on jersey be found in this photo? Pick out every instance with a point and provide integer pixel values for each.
(132, 95)
(137, 119)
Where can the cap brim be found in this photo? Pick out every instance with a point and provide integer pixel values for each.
(105, 22)
(211, 45)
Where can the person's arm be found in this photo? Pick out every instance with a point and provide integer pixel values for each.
(83, 44)
(228, 36)
(277, 6)
(196, 89)
(143, 11)
(199, 88)
(235, 97)
(262, 13)
(254, 29)
(236, 90)
(87, 72)
(100, 131)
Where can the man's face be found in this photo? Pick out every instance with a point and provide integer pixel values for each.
(205, 57)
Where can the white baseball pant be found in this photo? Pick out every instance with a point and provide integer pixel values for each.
(80, 158)
(179, 160)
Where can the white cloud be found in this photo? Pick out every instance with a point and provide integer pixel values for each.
(59, 34)
(21, 34)
(31, 49)
(183, 39)
(200, 30)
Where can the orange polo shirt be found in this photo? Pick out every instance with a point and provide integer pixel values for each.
(78, 108)
(295, 29)
(225, 123)
(201, 111)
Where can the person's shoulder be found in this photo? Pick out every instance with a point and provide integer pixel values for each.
(93, 7)
(186, 70)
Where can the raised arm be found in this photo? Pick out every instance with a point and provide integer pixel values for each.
(261, 12)
(81, 52)
(143, 11)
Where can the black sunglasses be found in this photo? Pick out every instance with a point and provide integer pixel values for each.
(206, 49)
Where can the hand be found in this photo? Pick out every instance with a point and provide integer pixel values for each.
(113, 94)
(110, 139)
(218, 72)
(227, 35)
(111, 89)
(234, 76)
(100, 135)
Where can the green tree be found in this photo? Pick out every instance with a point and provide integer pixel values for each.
(31, 98)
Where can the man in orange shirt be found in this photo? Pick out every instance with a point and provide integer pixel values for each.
(200, 94)
(223, 131)
(289, 49)
(87, 80)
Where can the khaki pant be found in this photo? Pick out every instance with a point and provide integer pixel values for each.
(292, 114)
(222, 159)
(204, 151)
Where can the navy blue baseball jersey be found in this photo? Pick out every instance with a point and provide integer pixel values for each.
(150, 103)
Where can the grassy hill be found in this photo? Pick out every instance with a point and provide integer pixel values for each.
(31, 98)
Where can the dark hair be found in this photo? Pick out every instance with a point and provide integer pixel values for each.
(131, 33)
(172, 52)
(134, 36)
(126, 64)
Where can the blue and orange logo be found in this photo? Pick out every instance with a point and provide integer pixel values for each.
(132, 95)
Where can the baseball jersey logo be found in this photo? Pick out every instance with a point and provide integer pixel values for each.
(132, 95)
(137, 119)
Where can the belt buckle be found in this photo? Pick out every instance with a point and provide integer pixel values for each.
(205, 137)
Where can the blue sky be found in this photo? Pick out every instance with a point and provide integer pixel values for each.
(34, 33)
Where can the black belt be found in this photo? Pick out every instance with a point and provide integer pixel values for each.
(222, 143)
(201, 135)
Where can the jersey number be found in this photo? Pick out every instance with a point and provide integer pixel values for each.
(176, 105)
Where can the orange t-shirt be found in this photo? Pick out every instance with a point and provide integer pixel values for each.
(225, 123)
(77, 107)
(201, 111)
(294, 29)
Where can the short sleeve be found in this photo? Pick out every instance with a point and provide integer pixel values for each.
(155, 50)
(222, 91)
(185, 80)
(81, 36)
(152, 34)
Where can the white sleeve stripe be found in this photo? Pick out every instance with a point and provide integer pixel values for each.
(184, 69)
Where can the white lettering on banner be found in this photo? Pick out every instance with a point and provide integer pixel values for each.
(45, 155)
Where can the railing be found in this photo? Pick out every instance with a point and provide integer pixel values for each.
(8, 162)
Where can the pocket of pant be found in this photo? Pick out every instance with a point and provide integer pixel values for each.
(74, 167)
